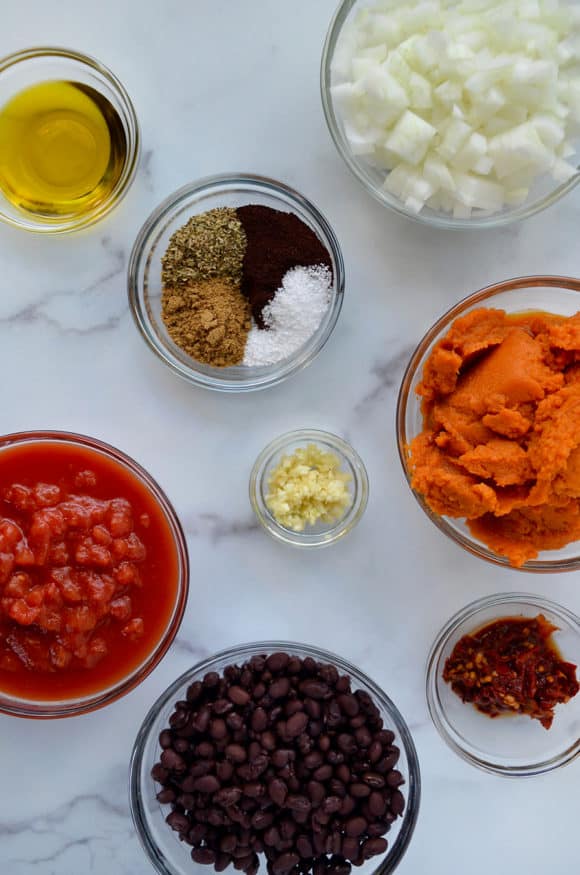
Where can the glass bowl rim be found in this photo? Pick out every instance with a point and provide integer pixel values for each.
(440, 220)
(351, 517)
(128, 174)
(141, 255)
(54, 709)
(139, 816)
(436, 709)
(476, 548)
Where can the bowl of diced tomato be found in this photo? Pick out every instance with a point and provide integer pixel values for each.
(93, 574)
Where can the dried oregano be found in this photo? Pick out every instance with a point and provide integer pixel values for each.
(209, 245)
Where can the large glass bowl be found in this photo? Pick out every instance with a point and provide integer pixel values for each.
(512, 746)
(26, 707)
(29, 67)
(145, 288)
(551, 294)
(544, 193)
(168, 855)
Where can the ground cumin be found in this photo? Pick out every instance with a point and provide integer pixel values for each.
(209, 320)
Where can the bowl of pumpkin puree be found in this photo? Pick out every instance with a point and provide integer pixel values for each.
(488, 423)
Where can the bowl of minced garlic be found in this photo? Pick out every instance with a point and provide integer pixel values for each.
(309, 488)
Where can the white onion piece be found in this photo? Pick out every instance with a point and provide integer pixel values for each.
(467, 103)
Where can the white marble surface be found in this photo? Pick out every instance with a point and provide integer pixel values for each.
(227, 85)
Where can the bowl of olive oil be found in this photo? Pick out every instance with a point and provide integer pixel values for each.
(69, 140)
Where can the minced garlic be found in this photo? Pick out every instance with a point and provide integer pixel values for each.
(308, 487)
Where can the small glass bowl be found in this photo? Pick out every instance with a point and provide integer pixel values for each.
(322, 534)
(29, 67)
(513, 746)
(552, 294)
(70, 707)
(145, 288)
(545, 191)
(167, 854)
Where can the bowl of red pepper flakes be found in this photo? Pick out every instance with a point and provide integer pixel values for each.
(93, 574)
(502, 684)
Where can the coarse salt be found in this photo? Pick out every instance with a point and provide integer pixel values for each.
(291, 317)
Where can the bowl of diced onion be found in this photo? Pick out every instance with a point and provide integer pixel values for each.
(457, 113)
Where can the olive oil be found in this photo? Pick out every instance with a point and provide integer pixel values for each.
(62, 149)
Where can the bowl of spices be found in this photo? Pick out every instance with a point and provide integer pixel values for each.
(236, 282)
(274, 756)
(502, 684)
(309, 488)
(69, 140)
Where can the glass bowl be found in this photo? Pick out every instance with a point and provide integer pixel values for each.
(68, 707)
(145, 288)
(322, 534)
(544, 193)
(552, 294)
(171, 857)
(515, 746)
(29, 67)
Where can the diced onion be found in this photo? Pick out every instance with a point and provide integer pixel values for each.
(468, 103)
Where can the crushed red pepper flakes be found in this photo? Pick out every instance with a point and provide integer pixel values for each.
(512, 666)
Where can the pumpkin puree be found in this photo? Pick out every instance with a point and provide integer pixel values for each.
(500, 444)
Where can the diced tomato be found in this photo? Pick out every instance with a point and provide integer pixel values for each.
(134, 629)
(121, 608)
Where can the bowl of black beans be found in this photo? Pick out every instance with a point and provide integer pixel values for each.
(278, 758)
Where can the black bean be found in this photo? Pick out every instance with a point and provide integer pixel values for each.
(323, 773)
(296, 724)
(377, 804)
(272, 837)
(279, 688)
(228, 796)
(166, 796)
(204, 856)
(285, 863)
(224, 771)
(236, 753)
(316, 792)
(348, 704)
(350, 848)
(172, 761)
(395, 779)
(397, 804)
(194, 691)
(254, 789)
(298, 803)
(159, 773)
(207, 784)
(178, 822)
(277, 662)
(268, 741)
(347, 806)
(375, 751)
(221, 863)
(304, 847)
(379, 828)
(355, 826)
(374, 847)
(282, 757)
(337, 788)
(313, 689)
(259, 720)
(339, 866)
(238, 695)
(262, 820)
(331, 804)
(218, 729)
(313, 708)
(292, 707)
(278, 791)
